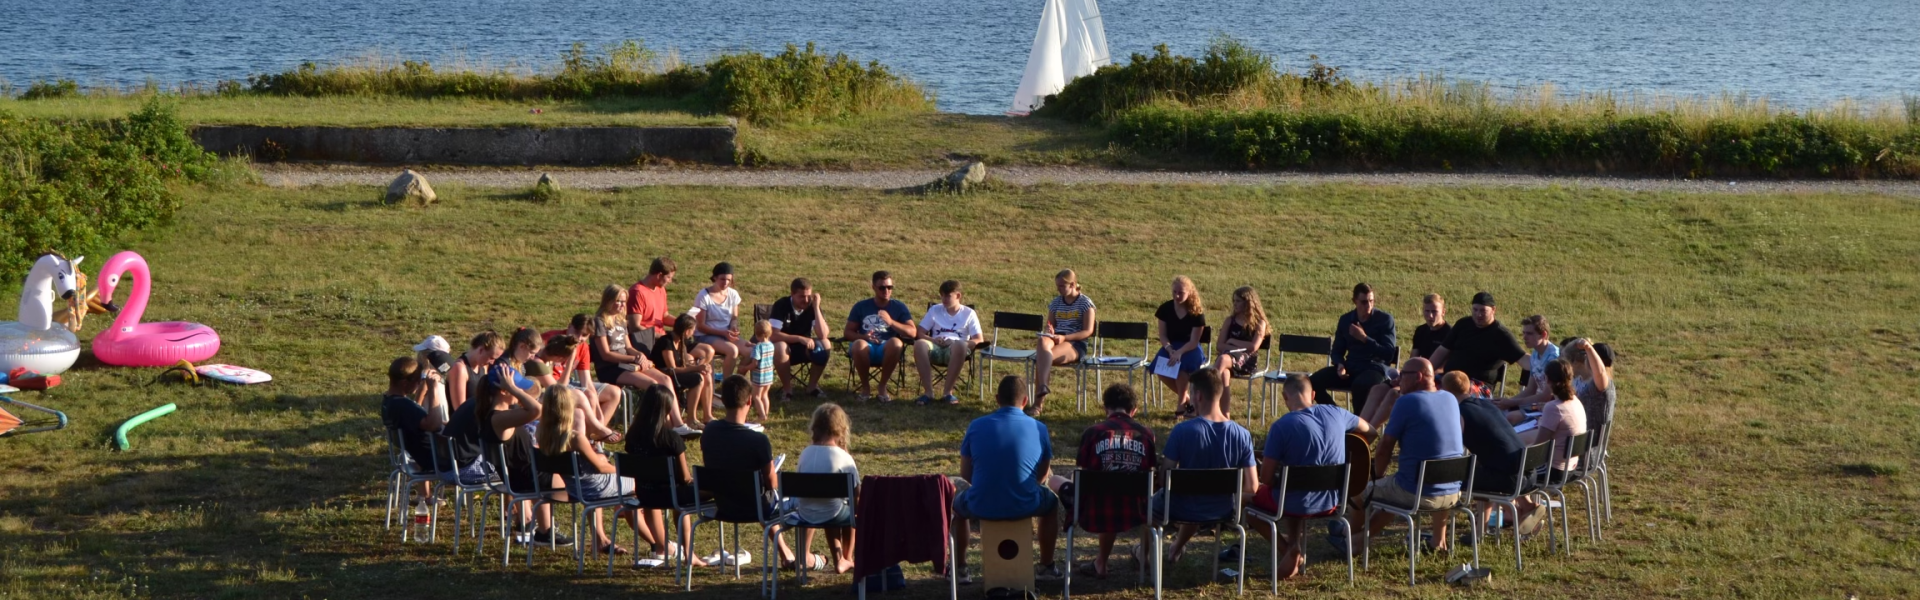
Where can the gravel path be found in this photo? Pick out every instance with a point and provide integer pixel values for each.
(286, 175)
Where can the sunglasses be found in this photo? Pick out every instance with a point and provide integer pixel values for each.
(883, 287)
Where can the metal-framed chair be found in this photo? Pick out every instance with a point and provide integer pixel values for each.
(814, 486)
(503, 489)
(1202, 482)
(1277, 375)
(1437, 470)
(994, 352)
(1522, 486)
(621, 501)
(1555, 488)
(1107, 486)
(731, 489)
(661, 473)
(1259, 375)
(405, 473)
(463, 491)
(1206, 352)
(1599, 458)
(1326, 478)
(1100, 361)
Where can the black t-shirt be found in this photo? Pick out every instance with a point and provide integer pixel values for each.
(642, 445)
(1179, 329)
(464, 428)
(790, 323)
(1487, 435)
(726, 445)
(1479, 351)
(400, 412)
(1427, 339)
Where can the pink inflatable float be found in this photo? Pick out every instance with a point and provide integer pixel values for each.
(130, 343)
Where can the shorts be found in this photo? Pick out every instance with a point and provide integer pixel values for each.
(1049, 502)
(762, 378)
(841, 519)
(1189, 362)
(799, 354)
(1243, 364)
(599, 486)
(709, 339)
(1387, 490)
(940, 353)
(687, 381)
(609, 372)
(876, 353)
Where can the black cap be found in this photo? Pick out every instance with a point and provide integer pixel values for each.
(1605, 352)
(440, 361)
(1483, 298)
(721, 269)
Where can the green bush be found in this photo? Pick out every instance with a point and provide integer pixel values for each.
(46, 90)
(77, 186)
(798, 85)
(1229, 66)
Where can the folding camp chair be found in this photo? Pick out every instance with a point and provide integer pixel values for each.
(994, 352)
(46, 419)
(1103, 359)
(970, 368)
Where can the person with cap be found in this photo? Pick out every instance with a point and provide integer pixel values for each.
(434, 361)
(716, 309)
(1363, 347)
(648, 316)
(1478, 344)
(463, 378)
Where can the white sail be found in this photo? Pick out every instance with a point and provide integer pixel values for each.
(1086, 44)
(1044, 74)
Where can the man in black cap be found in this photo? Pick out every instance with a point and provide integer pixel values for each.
(1479, 344)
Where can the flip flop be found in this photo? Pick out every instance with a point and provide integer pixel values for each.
(1089, 570)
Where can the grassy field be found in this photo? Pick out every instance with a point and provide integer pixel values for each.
(375, 111)
(1757, 456)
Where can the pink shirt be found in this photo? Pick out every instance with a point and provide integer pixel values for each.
(1567, 418)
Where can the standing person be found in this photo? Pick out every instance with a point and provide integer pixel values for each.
(463, 379)
(1433, 328)
(1183, 325)
(1309, 435)
(1534, 334)
(1005, 473)
(731, 445)
(1363, 347)
(1425, 425)
(1118, 443)
(1209, 440)
(691, 364)
(653, 437)
(614, 359)
(717, 308)
(1063, 340)
(831, 452)
(800, 336)
(648, 315)
(875, 327)
(1592, 379)
(947, 334)
(1479, 344)
(761, 363)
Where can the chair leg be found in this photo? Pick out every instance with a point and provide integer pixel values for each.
(1066, 584)
(1241, 579)
(433, 519)
(1348, 528)
(1413, 551)
(392, 492)
(1159, 565)
(1273, 554)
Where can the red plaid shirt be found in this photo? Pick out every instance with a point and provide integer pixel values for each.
(1116, 444)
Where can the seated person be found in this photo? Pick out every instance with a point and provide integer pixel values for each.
(717, 308)
(615, 360)
(832, 436)
(463, 379)
(648, 316)
(691, 366)
(1484, 431)
(1209, 440)
(1182, 326)
(1363, 348)
(1063, 337)
(1592, 379)
(1478, 345)
(561, 439)
(874, 330)
(1561, 419)
(1433, 328)
(1238, 342)
(1118, 443)
(1005, 475)
(947, 335)
(554, 366)
(652, 437)
(415, 423)
(727, 443)
(1309, 435)
(1425, 425)
(1533, 333)
(501, 414)
(800, 336)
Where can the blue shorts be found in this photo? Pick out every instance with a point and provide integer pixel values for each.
(876, 353)
(798, 354)
(1189, 362)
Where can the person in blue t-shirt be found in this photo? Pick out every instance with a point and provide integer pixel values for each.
(1005, 474)
(1309, 435)
(1209, 440)
(1425, 425)
(875, 330)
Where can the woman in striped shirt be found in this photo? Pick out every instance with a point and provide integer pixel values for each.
(1070, 322)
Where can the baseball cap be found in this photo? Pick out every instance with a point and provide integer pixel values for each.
(440, 360)
(1483, 298)
(433, 342)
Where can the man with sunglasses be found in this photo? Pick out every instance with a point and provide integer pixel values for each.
(875, 330)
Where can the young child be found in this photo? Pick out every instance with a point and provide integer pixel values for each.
(762, 357)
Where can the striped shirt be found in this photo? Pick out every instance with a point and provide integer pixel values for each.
(1069, 319)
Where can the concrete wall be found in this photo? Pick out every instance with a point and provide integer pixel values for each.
(473, 146)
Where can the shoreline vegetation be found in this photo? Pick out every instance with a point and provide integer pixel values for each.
(1231, 107)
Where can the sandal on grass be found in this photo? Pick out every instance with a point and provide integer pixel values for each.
(1089, 570)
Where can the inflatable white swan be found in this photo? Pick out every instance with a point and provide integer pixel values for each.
(33, 341)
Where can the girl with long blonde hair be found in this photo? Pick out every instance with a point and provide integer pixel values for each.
(1183, 325)
(561, 437)
(832, 436)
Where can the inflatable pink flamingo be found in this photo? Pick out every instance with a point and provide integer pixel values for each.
(130, 343)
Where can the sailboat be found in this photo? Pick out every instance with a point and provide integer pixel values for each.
(1071, 42)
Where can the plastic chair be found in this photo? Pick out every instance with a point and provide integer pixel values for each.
(817, 486)
(994, 352)
(1099, 361)
(1327, 478)
(1438, 470)
(1202, 482)
(1107, 487)
(1531, 459)
(734, 489)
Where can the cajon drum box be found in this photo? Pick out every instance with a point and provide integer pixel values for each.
(1006, 549)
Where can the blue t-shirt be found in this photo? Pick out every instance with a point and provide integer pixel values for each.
(1008, 449)
(867, 313)
(1538, 365)
(1428, 427)
(1312, 437)
(1203, 444)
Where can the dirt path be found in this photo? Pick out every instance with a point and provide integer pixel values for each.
(513, 177)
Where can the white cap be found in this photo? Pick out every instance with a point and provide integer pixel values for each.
(433, 342)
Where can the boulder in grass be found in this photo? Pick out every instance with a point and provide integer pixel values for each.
(965, 179)
(544, 190)
(410, 186)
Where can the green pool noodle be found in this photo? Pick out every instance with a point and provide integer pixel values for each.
(120, 435)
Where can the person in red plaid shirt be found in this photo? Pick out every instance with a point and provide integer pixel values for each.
(1116, 444)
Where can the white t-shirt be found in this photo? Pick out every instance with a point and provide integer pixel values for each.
(824, 459)
(717, 312)
(942, 326)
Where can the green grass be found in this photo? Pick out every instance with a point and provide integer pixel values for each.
(1764, 448)
(376, 111)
